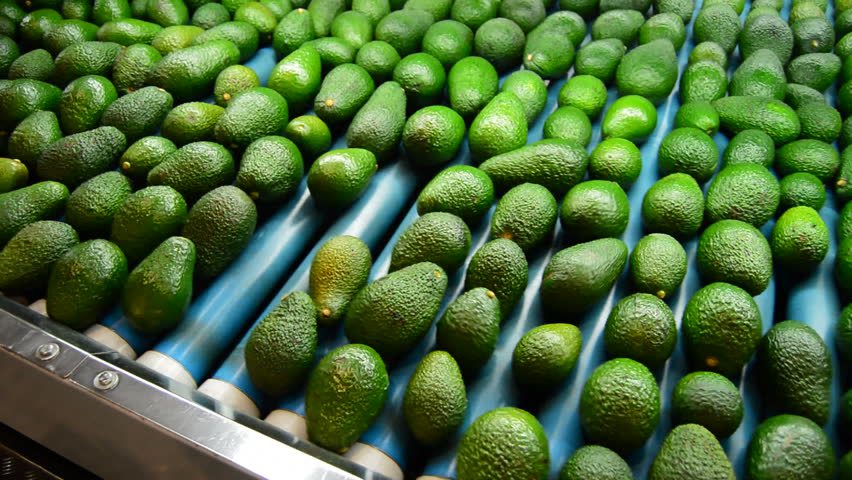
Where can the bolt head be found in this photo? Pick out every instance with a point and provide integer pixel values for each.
(106, 380)
(47, 351)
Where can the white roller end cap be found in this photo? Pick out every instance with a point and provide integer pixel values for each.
(432, 477)
(168, 366)
(374, 459)
(290, 422)
(229, 395)
(39, 306)
(108, 338)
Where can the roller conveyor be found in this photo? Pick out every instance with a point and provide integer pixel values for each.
(207, 348)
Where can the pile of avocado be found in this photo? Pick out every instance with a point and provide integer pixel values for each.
(120, 184)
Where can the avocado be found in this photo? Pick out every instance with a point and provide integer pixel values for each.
(378, 59)
(790, 446)
(33, 27)
(657, 265)
(735, 252)
(812, 35)
(433, 135)
(802, 189)
(337, 178)
(703, 81)
(232, 81)
(545, 356)
(721, 327)
(339, 270)
(691, 451)
(241, 34)
(79, 157)
(378, 125)
(260, 17)
(718, 23)
(700, 115)
(499, 127)
(472, 83)
(711, 51)
(281, 348)
(779, 121)
(760, 75)
(501, 42)
(176, 37)
(594, 209)
(189, 74)
(270, 169)
(40, 201)
(194, 169)
(14, 174)
(796, 367)
(145, 154)
(422, 77)
(92, 206)
(140, 113)
(799, 95)
(844, 225)
(209, 15)
(555, 164)
(620, 405)
(548, 52)
(504, 436)
(132, 67)
(84, 101)
(668, 26)
(574, 279)
(375, 10)
(85, 282)
(767, 32)
(474, 13)
(127, 31)
(338, 410)
(641, 327)
(448, 41)
(469, 328)
(649, 70)
(167, 13)
(460, 190)
(393, 313)
(438, 237)
(843, 331)
(799, 239)
(820, 121)
(9, 51)
(632, 117)
(526, 215)
(435, 399)
(104, 11)
(674, 205)
(750, 146)
(620, 24)
(191, 122)
(530, 90)
(232, 5)
(344, 91)
(159, 289)
(297, 77)
(323, 13)
(595, 462)
(35, 64)
(310, 134)
(23, 97)
(354, 28)
(584, 92)
(85, 58)
(293, 31)
(252, 114)
(710, 400)
(146, 218)
(569, 123)
(808, 155)
(815, 70)
(332, 51)
(501, 267)
(746, 192)
(617, 160)
(404, 29)
(27, 258)
(32, 136)
(600, 58)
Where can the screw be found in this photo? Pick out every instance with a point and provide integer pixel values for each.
(106, 380)
(47, 351)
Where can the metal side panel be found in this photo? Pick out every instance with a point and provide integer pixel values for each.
(118, 424)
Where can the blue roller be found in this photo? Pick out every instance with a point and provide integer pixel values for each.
(369, 219)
